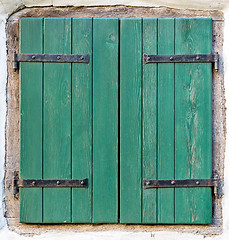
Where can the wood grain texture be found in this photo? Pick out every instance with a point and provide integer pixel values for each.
(149, 121)
(82, 120)
(31, 41)
(57, 120)
(105, 119)
(70, 116)
(166, 120)
(193, 121)
(130, 120)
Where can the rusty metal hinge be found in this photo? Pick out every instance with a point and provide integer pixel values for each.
(50, 183)
(185, 58)
(182, 183)
(51, 58)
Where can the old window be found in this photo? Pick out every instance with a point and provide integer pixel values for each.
(115, 121)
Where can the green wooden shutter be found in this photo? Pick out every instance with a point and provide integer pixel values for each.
(165, 121)
(193, 122)
(31, 108)
(130, 120)
(69, 120)
(105, 120)
(82, 120)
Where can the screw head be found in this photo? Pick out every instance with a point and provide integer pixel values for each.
(34, 182)
(57, 182)
(197, 58)
(58, 57)
(148, 58)
(172, 182)
(171, 58)
(33, 57)
(148, 183)
(197, 182)
(82, 182)
(82, 58)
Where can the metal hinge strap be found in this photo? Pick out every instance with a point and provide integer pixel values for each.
(52, 58)
(50, 183)
(185, 58)
(182, 183)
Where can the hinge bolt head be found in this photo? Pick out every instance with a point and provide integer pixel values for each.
(197, 58)
(58, 57)
(148, 183)
(58, 182)
(148, 58)
(171, 58)
(82, 182)
(197, 182)
(34, 182)
(82, 58)
(33, 57)
(172, 182)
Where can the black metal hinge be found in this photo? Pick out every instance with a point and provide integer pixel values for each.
(186, 58)
(50, 183)
(52, 58)
(182, 183)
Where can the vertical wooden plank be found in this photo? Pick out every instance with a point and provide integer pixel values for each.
(193, 120)
(130, 120)
(149, 121)
(82, 119)
(166, 120)
(31, 41)
(57, 119)
(105, 119)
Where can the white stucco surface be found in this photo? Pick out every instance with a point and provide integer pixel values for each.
(7, 7)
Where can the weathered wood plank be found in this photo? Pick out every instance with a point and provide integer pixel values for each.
(57, 119)
(105, 119)
(82, 120)
(31, 41)
(130, 120)
(149, 121)
(193, 120)
(166, 120)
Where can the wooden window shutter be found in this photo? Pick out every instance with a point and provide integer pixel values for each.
(115, 120)
(165, 121)
(69, 120)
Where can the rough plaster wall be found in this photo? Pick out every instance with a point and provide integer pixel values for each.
(3, 74)
(193, 4)
(226, 164)
(127, 232)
